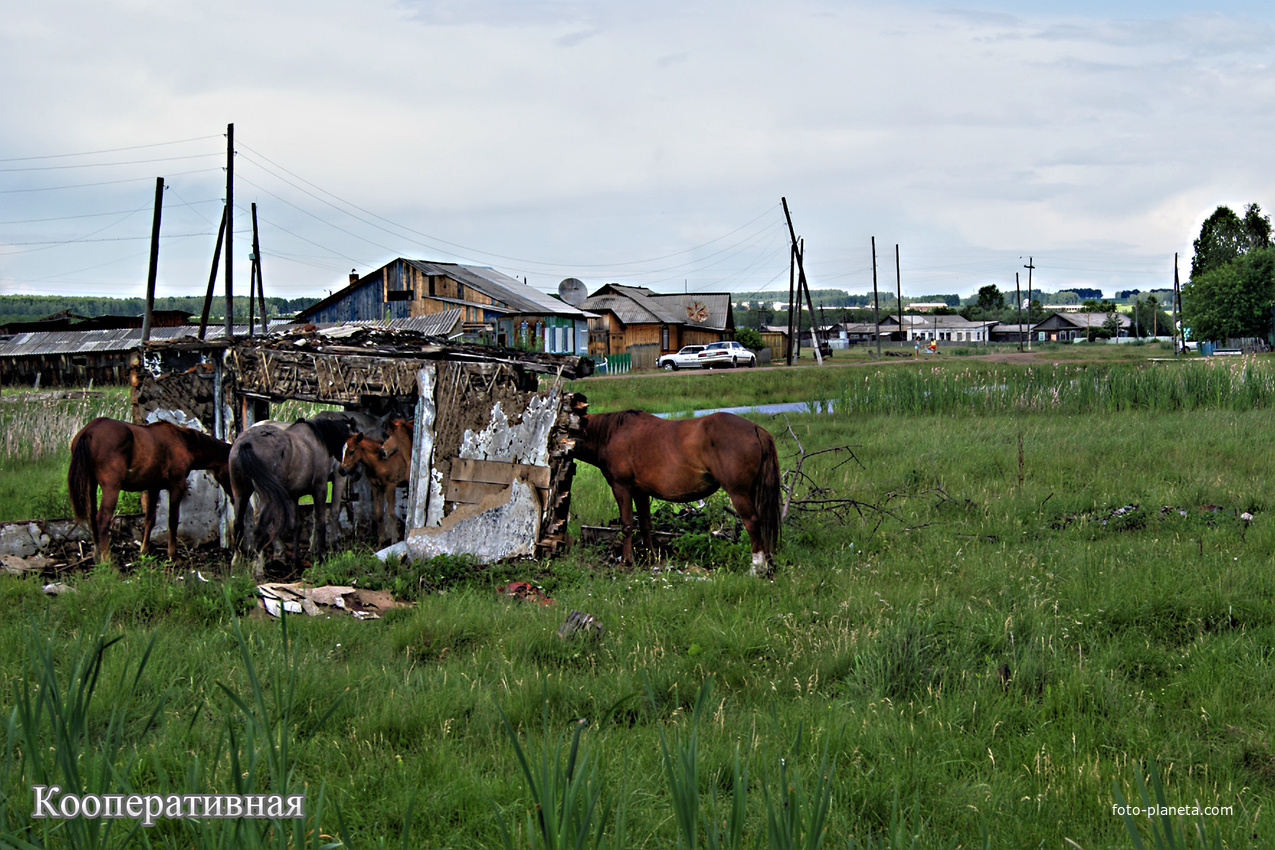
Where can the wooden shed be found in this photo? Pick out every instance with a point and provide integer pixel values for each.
(491, 472)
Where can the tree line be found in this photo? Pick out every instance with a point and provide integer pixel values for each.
(30, 308)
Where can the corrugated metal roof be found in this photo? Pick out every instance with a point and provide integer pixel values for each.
(104, 341)
(37, 343)
(636, 305)
(518, 295)
(446, 323)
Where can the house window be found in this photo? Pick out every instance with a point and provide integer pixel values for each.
(664, 338)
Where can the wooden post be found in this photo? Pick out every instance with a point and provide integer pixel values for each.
(805, 285)
(876, 300)
(1177, 296)
(792, 266)
(154, 264)
(1018, 297)
(261, 287)
(1029, 268)
(212, 276)
(230, 231)
(801, 281)
(898, 282)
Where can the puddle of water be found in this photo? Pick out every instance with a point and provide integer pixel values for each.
(784, 407)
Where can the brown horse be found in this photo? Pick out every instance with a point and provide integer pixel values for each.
(642, 456)
(117, 456)
(384, 476)
(398, 435)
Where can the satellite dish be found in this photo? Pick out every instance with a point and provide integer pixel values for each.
(573, 291)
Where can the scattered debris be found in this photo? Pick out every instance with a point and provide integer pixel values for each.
(580, 624)
(526, 592)
(14, 565)
(58, 588)
(297, 598)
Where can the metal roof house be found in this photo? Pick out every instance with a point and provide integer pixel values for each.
(646, 324)
(1061, 327)
(494, 307)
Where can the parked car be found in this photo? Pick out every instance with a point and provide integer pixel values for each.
(728, 353)
(686, 358)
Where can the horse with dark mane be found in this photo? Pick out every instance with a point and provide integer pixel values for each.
(117, 456)
(642, 456)
(280, 463)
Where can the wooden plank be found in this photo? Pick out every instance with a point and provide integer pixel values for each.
(473, 492)
(498, 472)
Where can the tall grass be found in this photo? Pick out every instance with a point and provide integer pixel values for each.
(1220, 383)
(37, 425)
(58, 735)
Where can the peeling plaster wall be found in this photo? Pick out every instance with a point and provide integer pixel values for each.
(506, 527)
(525, 442)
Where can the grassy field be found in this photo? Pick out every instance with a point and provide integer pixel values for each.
(1043, 590)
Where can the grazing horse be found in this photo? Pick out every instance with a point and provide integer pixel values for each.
(384, 476)
(281, 463)
(149, 458)
(642, 456)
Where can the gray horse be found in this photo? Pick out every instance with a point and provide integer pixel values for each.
(280, 463)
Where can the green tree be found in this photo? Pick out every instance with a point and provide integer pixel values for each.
(1225, 237)
(990, 299)
(749, 338)
(1232, 300)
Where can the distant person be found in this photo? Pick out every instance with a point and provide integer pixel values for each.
(934, 346)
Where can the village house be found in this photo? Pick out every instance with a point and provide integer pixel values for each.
(1063, 327)
(646, 324)
(494, 307)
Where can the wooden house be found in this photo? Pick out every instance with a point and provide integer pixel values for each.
(1062, 327)
(495, 308)
(646, 324)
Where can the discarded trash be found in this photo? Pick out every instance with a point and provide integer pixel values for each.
(14, 565)
(297, 598)
(525, 591)
(58, 588)
(580, 624)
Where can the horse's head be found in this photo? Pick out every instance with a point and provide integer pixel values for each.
(349, 464)
(399, 434)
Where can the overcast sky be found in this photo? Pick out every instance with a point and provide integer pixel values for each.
(640, 141)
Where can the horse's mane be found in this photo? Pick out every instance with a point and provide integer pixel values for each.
(331, 432)
(602, 426)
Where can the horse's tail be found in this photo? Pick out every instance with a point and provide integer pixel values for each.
(276, 509)
(766, 489)
(81, 479)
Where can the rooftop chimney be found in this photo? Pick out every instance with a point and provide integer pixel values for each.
(354, 276)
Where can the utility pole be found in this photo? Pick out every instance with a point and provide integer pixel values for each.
(801, 281)
(792, 277)
(1029, 268)
(154, 264)
(1018, 298)
(1177, 324)
(256, 273)
(212, 277)
(230, 231)
(876, 302)
(805, 284)
(898, 282)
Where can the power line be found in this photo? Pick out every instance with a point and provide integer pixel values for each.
(108, 150)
